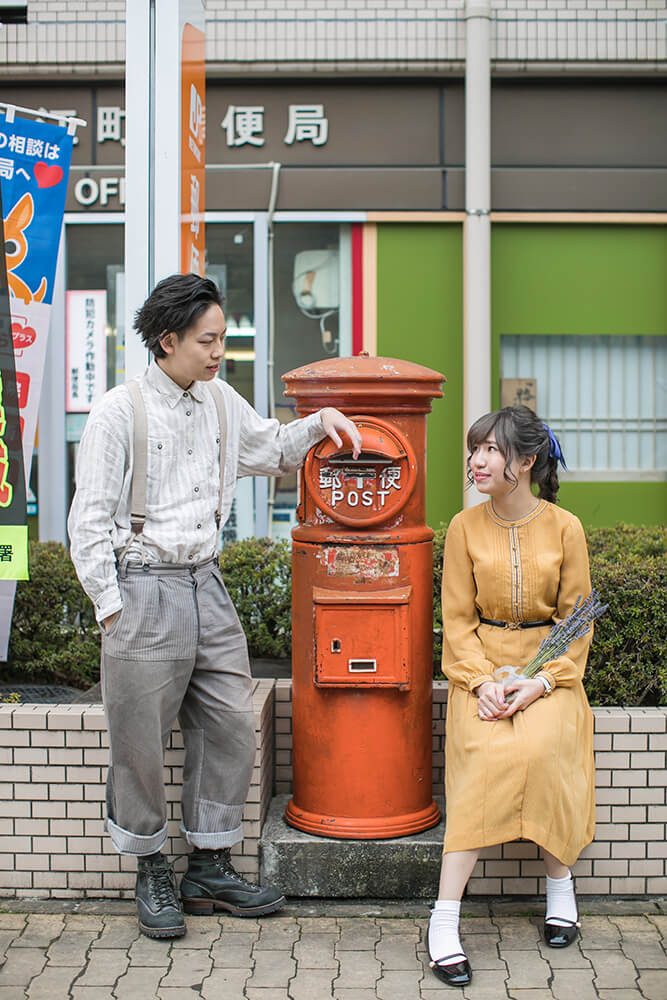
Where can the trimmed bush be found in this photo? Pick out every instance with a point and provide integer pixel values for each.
(258, 576)
(55, 638)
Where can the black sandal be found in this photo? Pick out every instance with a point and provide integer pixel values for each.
(557, 936)
(455, 974)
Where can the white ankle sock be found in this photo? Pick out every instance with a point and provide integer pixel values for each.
(443, 932)
(561, 901)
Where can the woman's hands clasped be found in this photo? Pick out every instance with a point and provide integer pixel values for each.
(492, 703)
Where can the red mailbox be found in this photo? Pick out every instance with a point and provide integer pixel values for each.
(362, 601)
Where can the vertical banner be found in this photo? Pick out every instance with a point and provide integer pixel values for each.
(86, 349)
(34, 168)
(193, 149)
(13, 520)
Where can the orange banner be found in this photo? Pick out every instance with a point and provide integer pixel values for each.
(193, 149)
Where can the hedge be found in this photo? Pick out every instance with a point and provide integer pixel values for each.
(55, 638)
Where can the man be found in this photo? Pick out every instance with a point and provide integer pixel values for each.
(150, 499)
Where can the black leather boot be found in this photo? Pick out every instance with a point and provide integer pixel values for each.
(158, 906)
(211, 883)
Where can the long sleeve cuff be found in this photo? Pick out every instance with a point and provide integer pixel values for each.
(107, 603)
(476, 682)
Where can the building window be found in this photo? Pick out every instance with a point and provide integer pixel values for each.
(604, 396)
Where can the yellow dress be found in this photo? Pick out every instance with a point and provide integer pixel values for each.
(530, 776)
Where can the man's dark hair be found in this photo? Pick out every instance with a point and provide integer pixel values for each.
(174, 305)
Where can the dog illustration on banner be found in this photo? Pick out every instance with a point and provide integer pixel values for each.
(16, 249)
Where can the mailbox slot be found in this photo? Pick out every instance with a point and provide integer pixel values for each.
(361, 639)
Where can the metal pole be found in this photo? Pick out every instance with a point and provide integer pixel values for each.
(477, 227)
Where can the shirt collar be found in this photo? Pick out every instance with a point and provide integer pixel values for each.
(165, 386)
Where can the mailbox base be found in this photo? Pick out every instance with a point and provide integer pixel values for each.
(363, 828)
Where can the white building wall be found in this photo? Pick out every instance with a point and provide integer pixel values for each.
(71, 36)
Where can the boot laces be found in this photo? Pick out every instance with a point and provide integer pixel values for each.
(162, 884)
(223, 862)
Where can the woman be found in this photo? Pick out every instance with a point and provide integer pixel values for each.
(519, 759)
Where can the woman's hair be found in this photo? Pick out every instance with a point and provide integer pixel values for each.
(174, 305)
(519, 433)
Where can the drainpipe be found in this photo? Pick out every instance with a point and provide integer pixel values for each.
(477, 226)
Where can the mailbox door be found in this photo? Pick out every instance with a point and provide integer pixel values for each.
(361, 639)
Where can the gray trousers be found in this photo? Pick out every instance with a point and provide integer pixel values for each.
(176, 651)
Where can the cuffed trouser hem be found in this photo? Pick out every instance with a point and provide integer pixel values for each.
(133, 843)
(211, 841)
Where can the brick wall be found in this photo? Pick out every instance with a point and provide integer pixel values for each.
(52, 772)
(629, 853)
(53, 768)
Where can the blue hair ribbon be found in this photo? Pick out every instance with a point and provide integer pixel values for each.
(555, 450)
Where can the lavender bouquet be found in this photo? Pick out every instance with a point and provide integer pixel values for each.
(559, 640)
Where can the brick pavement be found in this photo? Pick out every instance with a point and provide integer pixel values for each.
(336, 950)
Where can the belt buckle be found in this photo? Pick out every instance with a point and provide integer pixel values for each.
(513, 626)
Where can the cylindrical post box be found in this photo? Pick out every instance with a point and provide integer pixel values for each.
(362, 603)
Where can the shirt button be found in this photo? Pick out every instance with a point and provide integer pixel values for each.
(190, 557)
(189, 451)
(196, 489)
(188, 413)
(217, 440)
(159, 446)
(185, 395)
(199, 526)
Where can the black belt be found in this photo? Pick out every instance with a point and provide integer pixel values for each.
(516, 625)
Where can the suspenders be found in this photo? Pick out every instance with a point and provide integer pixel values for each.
(138, 498)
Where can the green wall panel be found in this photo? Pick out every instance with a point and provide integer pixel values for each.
(574, 279)
(607, 503)
(420, 296)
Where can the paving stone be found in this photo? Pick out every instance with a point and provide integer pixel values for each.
(565, 958)
(482, 951)
(223, 983)
(54, 981)
(150, 951)
(266, 994)
(199, 935)
(356, 935)
(397, 952)
(104, 967)
(12, 993)
(21, 965)
(653, 984)
(619, 994)
(573, 983)
(599, 932)
(531, 994)
(629, 924)
(138, 982)
(176, 993)
(319, 925)
(644, 949)
(517, 933)
(118, 932)
(40, 930)
(659, 920)
(612, 969)
(358, 970)
(271, 967)
(233, 951)
(486, 985)
(277, 934)
(390, 927)
(83, 922)
(7, 937)
(240, 925)
(477, 925)
(527, 970)
(316, 951)
(189, 966)
(70, 948)
(91, 993)
(311, 983)
(395, 985)
(353, 994)
(12, 921)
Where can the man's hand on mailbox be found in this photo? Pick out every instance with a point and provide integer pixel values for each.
(336, 423)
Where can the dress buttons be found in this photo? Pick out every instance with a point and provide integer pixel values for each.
(198, 526)
(188, 413)
(196, 489)
(189, 451)
(159, 445)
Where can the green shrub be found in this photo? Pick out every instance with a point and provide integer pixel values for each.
(55, 638)
(258, 577)
(623, 540)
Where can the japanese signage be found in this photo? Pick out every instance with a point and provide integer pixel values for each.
(34, 166)
(13, 525)
(86, 349)
(244, 124)
(193, 149)
(369, 489)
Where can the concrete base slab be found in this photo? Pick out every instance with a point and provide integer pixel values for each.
(306, 866)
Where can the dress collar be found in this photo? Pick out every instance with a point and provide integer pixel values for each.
(488, 506)
(165, 386)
